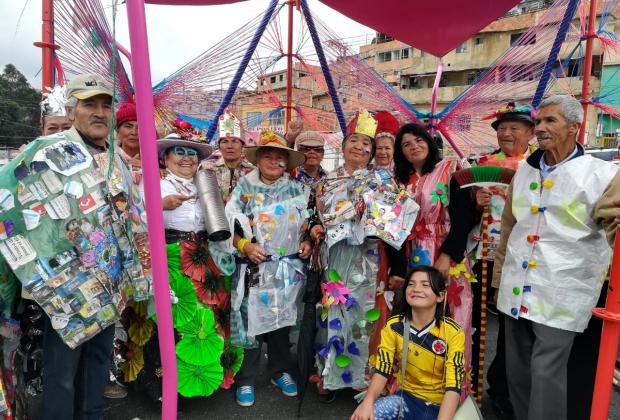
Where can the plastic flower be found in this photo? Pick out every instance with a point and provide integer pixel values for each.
(419, 256)
(454, 293)
(334, 293)
(456, 270)
(440, 193)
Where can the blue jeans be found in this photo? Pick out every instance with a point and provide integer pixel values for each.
(74, 380)
(414, 408)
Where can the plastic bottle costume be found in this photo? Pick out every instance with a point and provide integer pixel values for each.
(355, 214)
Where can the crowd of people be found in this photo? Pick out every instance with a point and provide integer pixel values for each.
(385, 253)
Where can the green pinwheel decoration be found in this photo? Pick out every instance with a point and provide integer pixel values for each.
(199, 381)
(232, 358)
(201, 343)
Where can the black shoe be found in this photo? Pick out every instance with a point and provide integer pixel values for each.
(328, 397)
(492, 309)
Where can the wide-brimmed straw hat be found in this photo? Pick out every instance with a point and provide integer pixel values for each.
(269, 139)
(171, 140)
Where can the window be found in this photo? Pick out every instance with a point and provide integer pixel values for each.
(277, 119)
(528, 39)
(462, 48)
(395, 55)
(281, 77)
(272, 79)
(443, 82)
(479, 40)
(422, 53)
(252, 119)
(404, 53)
(359, 95)
(382, 57)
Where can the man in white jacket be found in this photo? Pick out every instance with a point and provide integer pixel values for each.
(552, 257)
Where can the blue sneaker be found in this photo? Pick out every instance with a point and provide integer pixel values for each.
(286, 384)
(245, 396)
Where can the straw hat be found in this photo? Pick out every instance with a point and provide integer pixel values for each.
(269, 139)
(171, 140)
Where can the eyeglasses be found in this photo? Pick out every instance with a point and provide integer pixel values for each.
(319, 149)
(181, 152)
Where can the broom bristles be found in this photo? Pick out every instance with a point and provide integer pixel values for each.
(483, 176)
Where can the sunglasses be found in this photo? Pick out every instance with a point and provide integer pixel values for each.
(181, 152)
(311, 148)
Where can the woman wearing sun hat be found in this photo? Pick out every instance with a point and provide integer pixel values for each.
(198, 291)
(267, 211)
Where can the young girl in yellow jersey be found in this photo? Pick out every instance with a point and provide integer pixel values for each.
(435, 358)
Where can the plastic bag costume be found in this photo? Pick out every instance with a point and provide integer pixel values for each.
(266, 297)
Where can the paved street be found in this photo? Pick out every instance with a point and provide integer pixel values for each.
(270, 404)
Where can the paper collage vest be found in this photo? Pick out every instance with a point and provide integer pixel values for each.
(72, 231)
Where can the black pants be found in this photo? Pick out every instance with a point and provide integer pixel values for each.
(74, 380)
(582, 366)
(496, 375)
(278, 356)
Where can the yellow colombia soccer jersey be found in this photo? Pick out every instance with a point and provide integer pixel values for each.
(430, 351)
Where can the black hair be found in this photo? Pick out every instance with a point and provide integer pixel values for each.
(402, 167)
(373, 144)
(438, 286)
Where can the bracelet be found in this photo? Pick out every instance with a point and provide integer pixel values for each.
(241, 244)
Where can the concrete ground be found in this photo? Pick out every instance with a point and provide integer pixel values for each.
(270, 404)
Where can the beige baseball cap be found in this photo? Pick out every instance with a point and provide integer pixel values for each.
(309, 138)
(86, 86)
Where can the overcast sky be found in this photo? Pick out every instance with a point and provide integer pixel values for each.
(177, 34)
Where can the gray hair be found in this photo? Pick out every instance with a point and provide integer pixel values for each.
(71, 102)
(570, 107)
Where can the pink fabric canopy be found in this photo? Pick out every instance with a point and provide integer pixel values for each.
(192, 2)
(436, 27)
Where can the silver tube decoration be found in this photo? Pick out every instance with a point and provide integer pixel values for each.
(210, 198)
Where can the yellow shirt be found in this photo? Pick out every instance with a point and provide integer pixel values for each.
(435, 361)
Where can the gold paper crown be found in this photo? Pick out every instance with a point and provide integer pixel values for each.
(365, 124)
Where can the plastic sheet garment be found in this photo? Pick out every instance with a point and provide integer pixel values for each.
(267, 297)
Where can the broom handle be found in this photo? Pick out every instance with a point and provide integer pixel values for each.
(483, 304)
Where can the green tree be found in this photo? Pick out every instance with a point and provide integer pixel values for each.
(19, 108)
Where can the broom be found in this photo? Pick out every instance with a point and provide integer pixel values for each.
(483, 177)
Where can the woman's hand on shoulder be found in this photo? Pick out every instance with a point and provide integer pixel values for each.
(364, 411)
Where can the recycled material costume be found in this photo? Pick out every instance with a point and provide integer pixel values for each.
(346, 319)
(199, 294)
(266, 297)
(77, 250)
